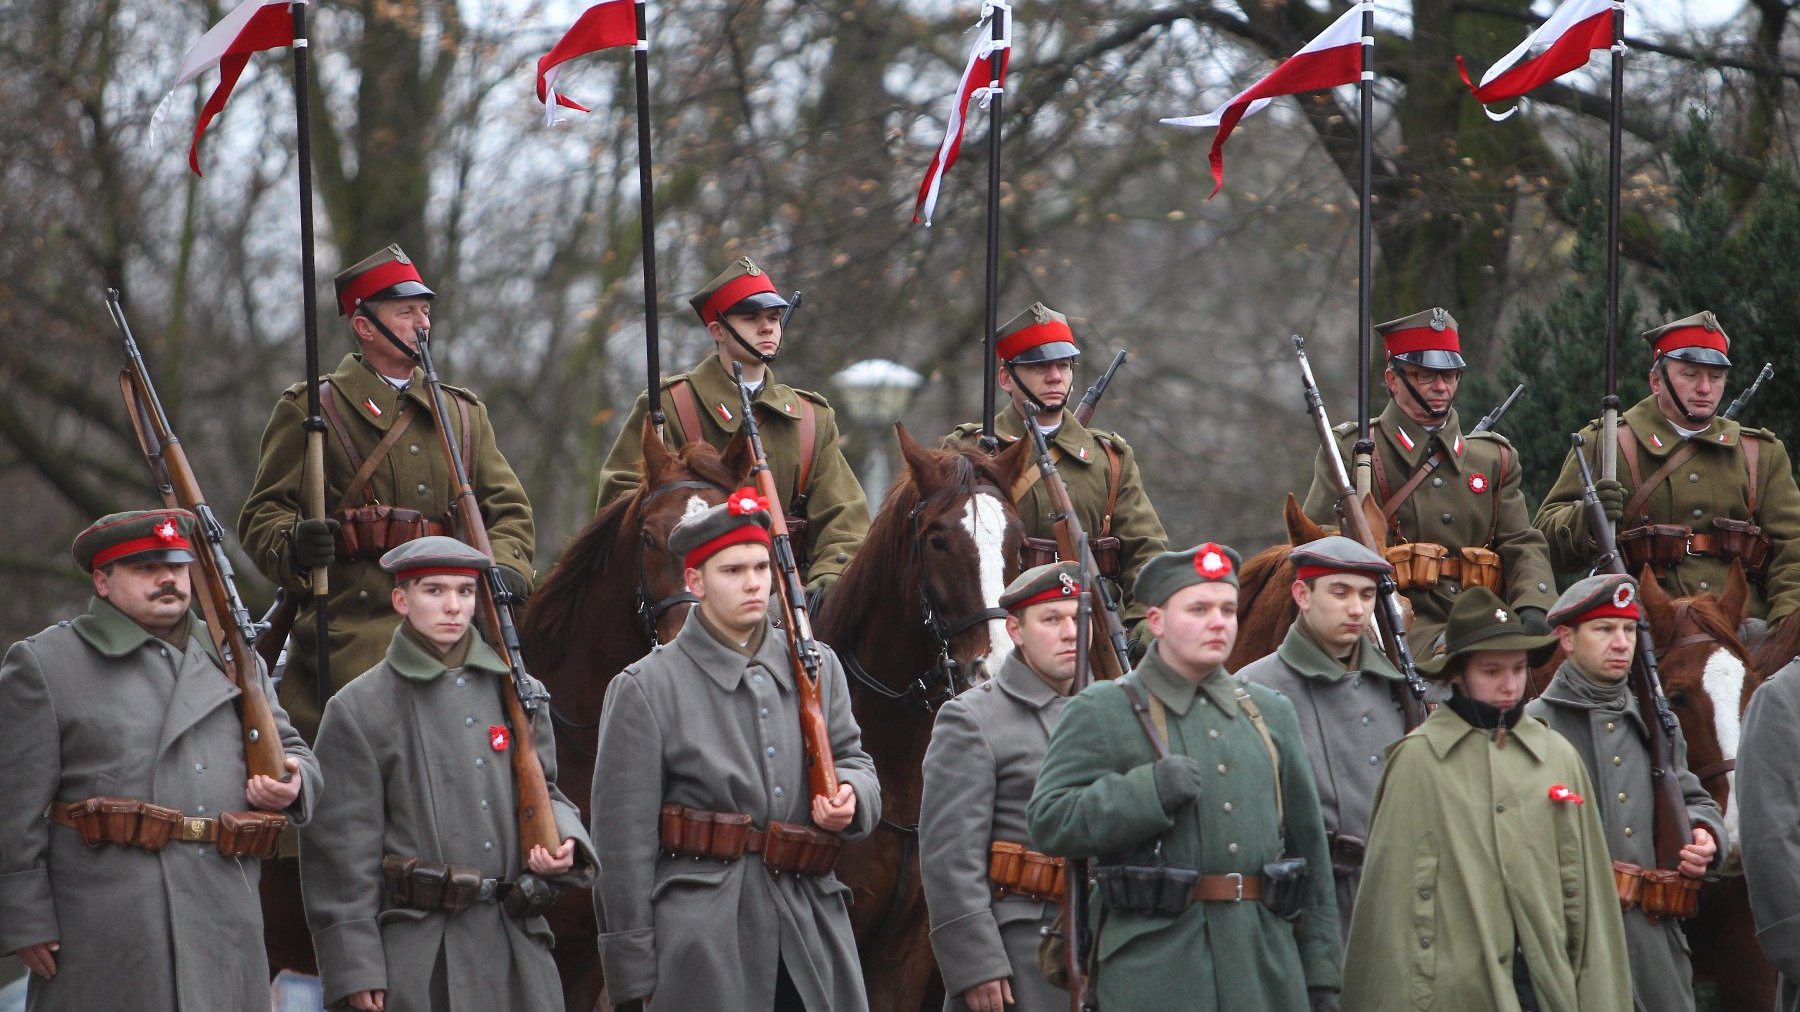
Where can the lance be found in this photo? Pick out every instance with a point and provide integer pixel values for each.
(1609, 404)
(1000, 22)
(647, 212)
(1362, 453)
(312, 480)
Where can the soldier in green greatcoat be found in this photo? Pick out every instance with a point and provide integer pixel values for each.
(1038, 354)
(1461, 525)
(828, 515)
(1695, 490)
(1212, 829)
(386, 482)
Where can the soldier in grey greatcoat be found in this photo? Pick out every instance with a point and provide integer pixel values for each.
(1344, 690)
(1768, 800)
(1589, 702)
(708, 728)
(130, 702)
(417, 752)
(982, 763)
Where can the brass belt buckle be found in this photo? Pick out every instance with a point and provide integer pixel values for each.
(1237, 879)
(193, 830)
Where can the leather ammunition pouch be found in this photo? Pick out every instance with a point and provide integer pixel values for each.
(370, 530)
(1346, 853)
(1017, 871)
(530, 896)
(1284, 886)
(411, 883)
(728, 836)
(1043, 551)
(1665, 546)
(1658, 892)
(1422, 565)
(1160, 889)
(128, 822)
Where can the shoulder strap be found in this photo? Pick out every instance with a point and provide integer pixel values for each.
(1151, 717)
(1390, 507)
(687, 408)
(1254, 712)
(1628, 449)
(1752, 457)
(367, 471)
(468, 437)
(1641, 495)
(809, 436)
(1112, 486)
(1031, 476)
(1381, 483)
(334, 416)
(1494, 495)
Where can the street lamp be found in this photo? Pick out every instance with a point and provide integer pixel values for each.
(876, 392)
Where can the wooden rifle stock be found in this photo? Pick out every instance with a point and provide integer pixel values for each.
(1111, 654)
(1354, 522)
(537, 819)
(227, 620)
(1674, 830)
(803, 650)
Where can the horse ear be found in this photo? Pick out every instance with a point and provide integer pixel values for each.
(918, 458)
(1300, 527)
(1736, 596)
(739, 457)
(657, 458)
(1012, 463)
(1656, 600)
(1378, 522)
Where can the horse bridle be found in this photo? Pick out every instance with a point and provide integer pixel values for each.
(1723, 766)
(651, 612)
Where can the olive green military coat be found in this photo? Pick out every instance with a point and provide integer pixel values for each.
(407, 751)
(414, 476)
(1096, 798)
(980, 767)
(1614, 746)
(1712, 484)
(1468, 853)
(1081, 461)
(99, 707)
(697, 723)
(1347, 719)
(837, 512)
(1768, 800)
(1466, 504)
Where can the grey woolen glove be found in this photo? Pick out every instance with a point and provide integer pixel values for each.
(1612, 498)
(516, 583)
(314, 543)
(1535, 621)
(1322, 999)
(1177, 781)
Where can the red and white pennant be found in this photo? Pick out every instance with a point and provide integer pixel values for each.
(1332, 59)
(1558, 46)
(251, 27)
(602, 26)
(983, 78)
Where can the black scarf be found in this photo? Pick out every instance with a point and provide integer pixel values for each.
(1482, 716)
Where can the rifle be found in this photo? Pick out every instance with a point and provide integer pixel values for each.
(793, 307)
(1672, 827)
(1078, 939)
(1749, 394)
(227, 620)
(1091, 399)
(537, 820)
(275, 625)
(803, 650)
(1072, 544)
(1389, 617)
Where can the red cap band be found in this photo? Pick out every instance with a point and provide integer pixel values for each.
(1607, 610)
(1025, 338)
(746, 534)
(374, 280)
(733, 292)
(1416, 339)
(424, 571)
(1691, 337)
(148, 543)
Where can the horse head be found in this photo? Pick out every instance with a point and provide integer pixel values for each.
(676, 485)
(1706, 676)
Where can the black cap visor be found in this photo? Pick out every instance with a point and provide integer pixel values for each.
(403, 290)
(1439, 361)
(1050, 351)
(1700, 356)
(757, 303)
(176, 555)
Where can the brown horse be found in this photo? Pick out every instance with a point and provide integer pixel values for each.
(916, 619)
(614, 593)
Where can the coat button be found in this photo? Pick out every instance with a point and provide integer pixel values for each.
(487, 845)
(1627, 830)
(841, 557)
(164, 651)
(1227, 807)
(481, 764)
(779, 792)
(1621, 795)
(484, 804)
(1698, 513)
(1569, 891)
(757, 679)
(1693, 477)
(1611, 725)
(1424, 894)
(763, 713)
(468, 721)
(1221, 767)
(1212, 732)
(1424, 943)
(1231, 848)
(461, 680)
(362, 595)
(414, 449)
(1704, 585)
(1617, 760)
(1503, 957)
(770, 751)
(1446, 518)
(1365, 722)
(199, 767)
(1543, 588)
(1374, 760)
(422, 489)
(1437, 483)
(1500, 808)
(200, 809)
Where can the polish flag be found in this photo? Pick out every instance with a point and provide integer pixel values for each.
(1559, 45)
(983, 78)
(1332, 59)
(602, 26)
(253, 26)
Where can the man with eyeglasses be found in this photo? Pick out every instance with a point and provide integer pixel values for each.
(1455, 517)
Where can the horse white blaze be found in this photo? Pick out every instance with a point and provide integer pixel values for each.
(985, 520)
(1723, 680)
(695, 507)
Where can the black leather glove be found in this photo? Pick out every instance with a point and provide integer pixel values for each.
(1322, 999)
(1535, 621)
(1612, 498)
(1177, 781)
(517, 584)
(815, 594)
(313, 544)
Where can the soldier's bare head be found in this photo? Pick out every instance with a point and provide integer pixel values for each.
(733, 585)
(439, 606)
(152, 593)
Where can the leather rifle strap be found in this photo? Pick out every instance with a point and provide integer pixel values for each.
(334, 417)
(1153, 721)
(1494, 496)
(1628, 450)
(1112, 486)
(809, 438)
(1031, 476)
(687, 409)
(1752, 458)
(366, 472)
(1254, 712)
(1641, 494)
(1391, 507)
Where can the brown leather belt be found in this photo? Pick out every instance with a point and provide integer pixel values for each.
(1228, 888)
(727, 836)
(1043, 551)
(128, 822)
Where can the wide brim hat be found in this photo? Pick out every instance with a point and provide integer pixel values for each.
(1427, 339)
(1479, 622)
(1698, 339)
(1039, 334)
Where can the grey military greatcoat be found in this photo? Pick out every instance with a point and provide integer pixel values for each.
(99, 707)
(697, 723)
(1768, 800)
(1614, 746)
(980, 768)
(1347, 719)
(407, 749)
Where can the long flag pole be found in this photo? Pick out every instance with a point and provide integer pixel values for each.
(647, 212)
(991, 309)
(1609, 405)
(1365, 255)
(313, 475)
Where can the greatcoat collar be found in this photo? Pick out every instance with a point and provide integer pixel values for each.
(1308, 659)
(116, 634)
(1657, 435)
(1017, 680)
(1400, 430)
(1177, 693)
(1445, 729)
(717, 392)
(724, 665)
(1075, 440)
(410, 660)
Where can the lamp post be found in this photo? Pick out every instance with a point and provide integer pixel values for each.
(876, 392)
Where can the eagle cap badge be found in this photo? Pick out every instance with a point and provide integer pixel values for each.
(1440, 318)
(749, 266)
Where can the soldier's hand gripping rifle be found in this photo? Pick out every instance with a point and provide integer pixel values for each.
(1113, 656)
(803, 650)
(537, 820)
(1078, 941)
(227, 620)
(1673, 828)
(1389, 616)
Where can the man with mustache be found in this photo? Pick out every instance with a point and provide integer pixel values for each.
(1696, 491)
(1345, 691)
(123, 880)
(982, 763)
(1460, 526)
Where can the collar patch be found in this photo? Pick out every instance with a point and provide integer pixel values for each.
(1405, 440)
(1656, 440)
(373, 408)
(724, 412)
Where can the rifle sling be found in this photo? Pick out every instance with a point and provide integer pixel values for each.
(1641, 494)
(687, 410)
(1032, 475)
